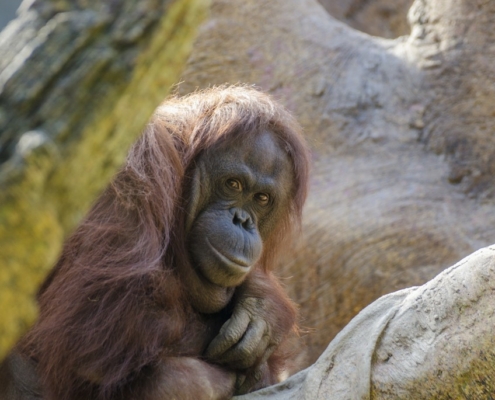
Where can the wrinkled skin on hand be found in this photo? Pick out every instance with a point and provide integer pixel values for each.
(246, 338)
(245, 343)
(256, 328)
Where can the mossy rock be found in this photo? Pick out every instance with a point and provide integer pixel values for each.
(61, 143)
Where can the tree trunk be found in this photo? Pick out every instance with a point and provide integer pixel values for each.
(400, 132)
(78, 81)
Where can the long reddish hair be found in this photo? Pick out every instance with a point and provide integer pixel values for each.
(114, 298)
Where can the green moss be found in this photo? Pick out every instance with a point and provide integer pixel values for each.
(30, 237)
(42, 205)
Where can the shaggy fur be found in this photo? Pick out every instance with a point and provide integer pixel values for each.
(114, 304)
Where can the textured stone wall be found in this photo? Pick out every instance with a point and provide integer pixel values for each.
(385, 18)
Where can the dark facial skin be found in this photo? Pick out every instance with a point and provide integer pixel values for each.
(239, 191)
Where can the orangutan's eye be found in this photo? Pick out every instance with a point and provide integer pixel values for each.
(234, 184)
(262, 198)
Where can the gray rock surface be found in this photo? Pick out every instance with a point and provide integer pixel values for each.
(435, 341)
(385, 18)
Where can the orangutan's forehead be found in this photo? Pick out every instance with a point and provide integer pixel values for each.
(260, 154)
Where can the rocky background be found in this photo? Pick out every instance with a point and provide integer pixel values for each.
(377, 17)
